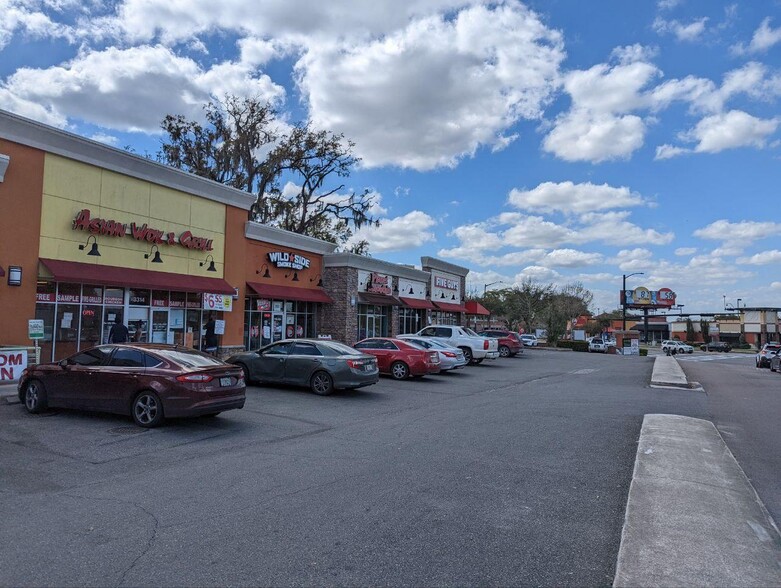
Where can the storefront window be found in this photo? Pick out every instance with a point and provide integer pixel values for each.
(160, 298)
(45, 312)
(92, 295)
(373, 321)
(90, 326)
(139, 298)
(66, 331)
(445, 318)
(266, 321)
(411, 320)
(179, 300)
(46, 292)
(110, 314)
(114, 296)
(69, 293)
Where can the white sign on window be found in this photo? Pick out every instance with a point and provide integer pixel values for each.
(219, 327)
(222, 302)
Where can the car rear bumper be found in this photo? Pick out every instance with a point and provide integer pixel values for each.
(357, 380)
(209, 406)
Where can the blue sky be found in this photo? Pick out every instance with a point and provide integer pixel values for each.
(560, 140)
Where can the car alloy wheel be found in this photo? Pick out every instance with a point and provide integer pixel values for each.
(321, 384)
(147, 410)
(467, 354)
(504, 351)
(399, 370)
(34, 397)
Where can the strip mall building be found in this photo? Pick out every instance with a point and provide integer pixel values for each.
(90, 234)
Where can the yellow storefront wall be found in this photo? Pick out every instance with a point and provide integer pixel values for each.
(70, 186)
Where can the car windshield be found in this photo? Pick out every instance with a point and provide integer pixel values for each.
(189, 358)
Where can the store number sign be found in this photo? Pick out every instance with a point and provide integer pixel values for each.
(222, 302)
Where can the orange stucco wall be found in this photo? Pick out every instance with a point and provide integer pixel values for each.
(20, 227)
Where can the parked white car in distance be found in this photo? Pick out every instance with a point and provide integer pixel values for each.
(529, 340)
(677, 347)
(596, 345)
(475, 347)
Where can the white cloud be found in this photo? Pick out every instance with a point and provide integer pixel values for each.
(31, 18)
(683, 32)
(573, 198)
(731, 130)
(684, 251)
(763, 258)
(570, 258)
(764, 38)
(633, 260)
(613, 228)
(745, 232)
(669, 151)
(397, 234)
(130, 89)
(434, 92)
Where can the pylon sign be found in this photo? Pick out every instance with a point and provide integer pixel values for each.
(642, 297)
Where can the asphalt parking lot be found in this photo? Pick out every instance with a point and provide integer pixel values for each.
(512, 472)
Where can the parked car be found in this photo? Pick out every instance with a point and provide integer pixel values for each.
(321, 365)
(146, 381)
(510, 343)
(597, 345)
(676, 347)
(475, 347)
(722, 346)
(401, 359)
(766, 353)
(450, 358)
(529, 340)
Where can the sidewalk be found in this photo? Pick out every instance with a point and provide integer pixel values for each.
(8, 394)
(692, 517)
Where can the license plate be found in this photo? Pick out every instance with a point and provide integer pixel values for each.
(225, 381)
(368, 367)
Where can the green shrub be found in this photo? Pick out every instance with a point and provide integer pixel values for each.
(574, 345)
(643, 352)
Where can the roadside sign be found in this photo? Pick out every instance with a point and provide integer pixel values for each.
(35, 329)
(12, 363)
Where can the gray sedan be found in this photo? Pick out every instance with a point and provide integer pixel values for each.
(320, 365)
(450, 358)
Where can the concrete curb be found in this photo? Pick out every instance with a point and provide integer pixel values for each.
(667, 372)
(692, 517)
(8, 394)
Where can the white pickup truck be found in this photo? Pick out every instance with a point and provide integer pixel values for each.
(475, 347)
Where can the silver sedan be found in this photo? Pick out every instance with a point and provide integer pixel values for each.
(450, 358)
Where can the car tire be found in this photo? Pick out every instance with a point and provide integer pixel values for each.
(147, 410)
(690, 351)
(399, 370)
(321, 383)
(477, 361)
(467, 354)
(504, 351)
(35, 397)
(211, 415)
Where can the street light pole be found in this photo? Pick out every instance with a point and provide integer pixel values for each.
(485, 286)
(623, 298)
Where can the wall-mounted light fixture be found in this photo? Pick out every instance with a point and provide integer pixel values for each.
(319, 279)
(396, 289)
(453, 297)
(442, 295)
(14, 275)
(295, 276)
(4, 161)
(211, 267)
(94, 249)
(266, 273)
(156, 258)
(411, 291)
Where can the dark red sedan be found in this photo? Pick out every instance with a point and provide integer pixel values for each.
(147, 381)
(399, 358)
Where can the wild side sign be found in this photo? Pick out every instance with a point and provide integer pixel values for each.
(111, 228)
(285, 259)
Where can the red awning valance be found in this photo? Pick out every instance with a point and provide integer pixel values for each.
(474, 307)
(450, 307)
(378, 299)
(416, 303)
(107, 275)
(288, 293)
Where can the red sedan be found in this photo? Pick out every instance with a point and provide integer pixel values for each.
(399, 358)
(147, 381)
(510, 343)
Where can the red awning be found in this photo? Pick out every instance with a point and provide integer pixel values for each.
(450, 307)
(107, 275)
(378, 299)
(416, 302)
(474, 307)
(288, 293)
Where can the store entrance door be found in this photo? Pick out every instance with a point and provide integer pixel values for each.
(160, 326)
(277, 326)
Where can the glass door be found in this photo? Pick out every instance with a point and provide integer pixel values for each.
(160, 326)
(176, 327)
(277, 325)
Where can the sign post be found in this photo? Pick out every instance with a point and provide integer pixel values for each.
(35, 331)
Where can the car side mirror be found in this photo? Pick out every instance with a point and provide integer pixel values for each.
(63, 363)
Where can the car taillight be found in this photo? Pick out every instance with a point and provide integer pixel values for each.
(355, 363)
(449, 354)
(433, 356)
(194, 378)
(485, 344)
